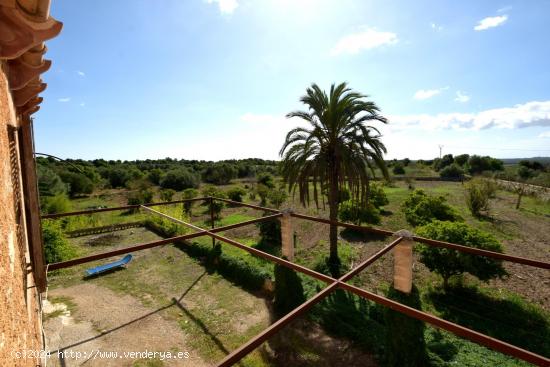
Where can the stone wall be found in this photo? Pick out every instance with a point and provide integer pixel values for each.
(20, 328)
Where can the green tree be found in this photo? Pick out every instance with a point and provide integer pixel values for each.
(56, 246)
(236, 193)
(277, 197)
(398, 169)
(219, 173)
(189, 194)
(266, 179)
(452, 171)
(179, 179)
(289, 292)
(421, 209)
(78, 183)
(448, 262)
(339, 149)
(167, 194)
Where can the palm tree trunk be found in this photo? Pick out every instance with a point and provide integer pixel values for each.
(333, 216)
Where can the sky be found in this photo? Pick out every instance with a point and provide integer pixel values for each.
(214, 79)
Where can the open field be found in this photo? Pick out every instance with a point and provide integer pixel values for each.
(515, 308)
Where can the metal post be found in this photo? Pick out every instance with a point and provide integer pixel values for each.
(212, 218)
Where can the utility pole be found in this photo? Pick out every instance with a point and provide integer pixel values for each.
(440, 149)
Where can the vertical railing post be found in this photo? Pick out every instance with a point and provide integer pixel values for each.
(287, 240)
(212, 218)
(403, 262)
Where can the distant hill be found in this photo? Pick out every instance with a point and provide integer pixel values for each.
(542, 160)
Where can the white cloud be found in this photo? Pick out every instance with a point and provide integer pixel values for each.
(436, 27)
(545, 134)
(422, 94)
(504, 9)
(519, 116)
(65, 99)
(226, 6)
(81, 73)
(364, 40)
(82, 104)
(462, 98)
(491, 22)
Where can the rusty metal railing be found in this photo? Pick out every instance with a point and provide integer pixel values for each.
(333, 284)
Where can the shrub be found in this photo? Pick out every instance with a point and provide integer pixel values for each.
(377, 195)
(405, 344)
(118, 177)
(478, 192)
(446, 160)
(448, 262)
(262, 191)
(462, 159)
(266, 179)
(167, 194)
(56, 246)
(214, 206)
(189, 194)
(56, 204)
(154, 176)
(452, 171)
(277, 197)
(289, 292)
(179, 179)
(398, 169)
(357, 213)
(49, 182)
(270, 235)
(78, 183)
(219, 173)
(236, 193)
(421, 209)
(140, 197)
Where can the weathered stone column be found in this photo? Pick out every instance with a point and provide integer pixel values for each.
(286, 235)
(403, 261)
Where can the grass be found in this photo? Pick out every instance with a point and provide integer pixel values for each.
(499, 313)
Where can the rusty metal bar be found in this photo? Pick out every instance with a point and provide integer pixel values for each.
(103, 255)
(476, 251)
(248, 205)
(126, 207)
(456, 329)
(252, 344)
(370, 260)
(346, 225)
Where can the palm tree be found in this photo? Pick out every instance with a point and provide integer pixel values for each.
(337, 151)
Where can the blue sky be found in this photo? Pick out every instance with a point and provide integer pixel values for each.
(213, 79)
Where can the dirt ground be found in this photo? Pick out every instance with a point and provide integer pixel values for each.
(109, 322)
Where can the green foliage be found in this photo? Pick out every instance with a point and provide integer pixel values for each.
(56, 246)
(525, 173)
(289, 292)
(405, 345)
(167, 194)
(270, 235)
(440, 163)
(452, 171)
(140, 197)
(262, 191)
(462, 159)
(118, 177)
(421, 209)
(448, 262)
(277, 197)
(49, 182)
(534, 165)
(266, 179)
(78, 183)
(377, 195)
(477, 164)
(219, 173)
(358, 213)
(59, 203)
(214, 206)
(189, 194)
(398, 169)
(236, 193)
(478, 193)
(179, 179)
(154, 176)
